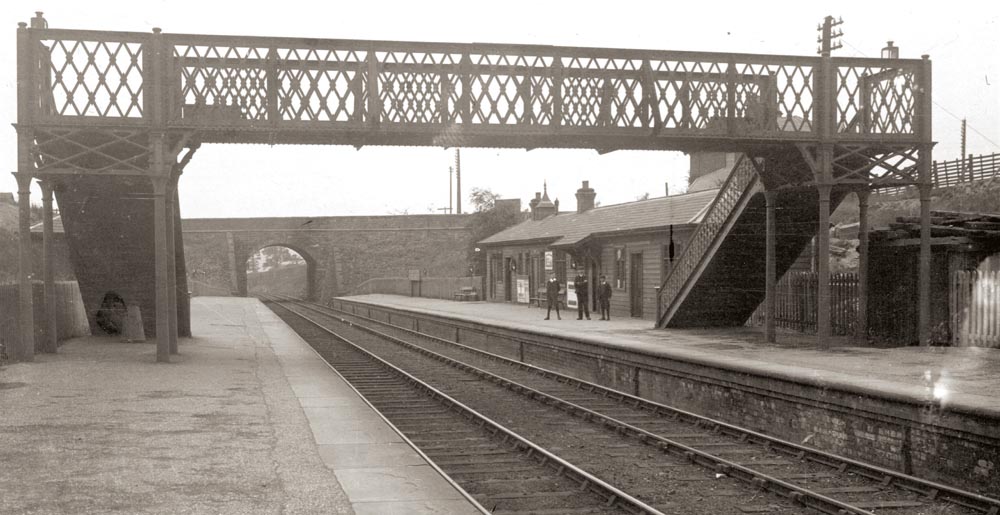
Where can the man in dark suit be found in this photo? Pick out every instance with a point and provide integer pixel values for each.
(582, 295)
(552, 295)
(604, 298)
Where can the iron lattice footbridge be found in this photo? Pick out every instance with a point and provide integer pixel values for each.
(119, 87)
(136, 106)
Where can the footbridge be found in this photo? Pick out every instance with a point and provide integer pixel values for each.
(112, 118)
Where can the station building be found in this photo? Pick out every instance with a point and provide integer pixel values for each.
(633, 244)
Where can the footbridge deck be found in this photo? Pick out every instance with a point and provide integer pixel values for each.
(240, 89)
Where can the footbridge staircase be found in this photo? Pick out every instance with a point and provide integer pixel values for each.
(719, 278)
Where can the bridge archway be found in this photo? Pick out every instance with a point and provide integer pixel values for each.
(279, 268)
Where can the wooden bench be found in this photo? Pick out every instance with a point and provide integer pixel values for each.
(466, 293)
(542, 299)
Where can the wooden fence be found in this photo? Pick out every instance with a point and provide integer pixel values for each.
(430, 287)
(797, 303)
(975, 308)
(958, 171)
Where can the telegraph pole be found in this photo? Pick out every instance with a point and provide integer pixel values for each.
(961, 155)
(450, 172)
(826, 36)
(458, 182)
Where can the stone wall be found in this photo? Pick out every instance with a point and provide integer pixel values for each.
(343, 252)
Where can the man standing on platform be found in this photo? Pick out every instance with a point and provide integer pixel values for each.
(582, 286)
(552, 295)
(604, 298)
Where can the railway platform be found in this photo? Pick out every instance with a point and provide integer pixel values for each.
(962, 378)
(247, 419)
(933, 412)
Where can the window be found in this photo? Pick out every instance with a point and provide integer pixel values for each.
(559, 262)
(620, 268)
(668, 260)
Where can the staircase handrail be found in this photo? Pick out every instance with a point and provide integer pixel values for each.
(739, 186)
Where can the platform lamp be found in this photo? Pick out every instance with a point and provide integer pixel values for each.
(890, 51)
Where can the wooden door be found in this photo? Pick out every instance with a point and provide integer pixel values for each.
(635, 284)
(507, 280)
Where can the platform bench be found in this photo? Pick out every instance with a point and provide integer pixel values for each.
(466, 293)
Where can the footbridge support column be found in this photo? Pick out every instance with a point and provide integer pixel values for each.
(823, 267)
(162, 273)
(770, 281)
(861, 328)
(51, 341)
(25, 350)
(924, 170)
(171, 258)
(924, 266)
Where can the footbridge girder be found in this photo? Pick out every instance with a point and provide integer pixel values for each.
(129, 105)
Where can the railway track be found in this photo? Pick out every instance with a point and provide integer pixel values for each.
(505, 472)
(658, 442)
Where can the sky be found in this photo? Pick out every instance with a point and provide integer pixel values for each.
(962, 39)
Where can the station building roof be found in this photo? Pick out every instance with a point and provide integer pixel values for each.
(572, 229)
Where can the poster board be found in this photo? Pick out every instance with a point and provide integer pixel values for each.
(548, 260)
(571, 296)
(523, 292)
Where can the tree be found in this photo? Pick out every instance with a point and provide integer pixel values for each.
(487, 220)
(483, 199)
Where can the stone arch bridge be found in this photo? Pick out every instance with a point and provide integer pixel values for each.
(341, 252)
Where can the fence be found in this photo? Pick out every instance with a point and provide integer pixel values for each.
(975, 308)
(203, 289)
(70, 322)
(797, 303)
(430, 287)
(958, 171)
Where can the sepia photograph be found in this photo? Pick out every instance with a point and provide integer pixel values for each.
(512, 257)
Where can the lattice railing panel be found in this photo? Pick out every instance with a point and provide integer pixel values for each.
(581, 101)
(410, 97)
(876, 100)
(500, 99)
(94, 78)
(318, 95)
(742, 181)
(227, 78)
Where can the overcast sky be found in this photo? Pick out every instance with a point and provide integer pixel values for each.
(241, 181)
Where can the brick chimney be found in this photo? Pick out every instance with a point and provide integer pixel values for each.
(585, 197)
(533, 203)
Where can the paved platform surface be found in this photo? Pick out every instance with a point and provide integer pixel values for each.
(247, 419)
(965, 379)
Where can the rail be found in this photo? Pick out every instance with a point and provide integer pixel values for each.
(613, 495)
(930, 489)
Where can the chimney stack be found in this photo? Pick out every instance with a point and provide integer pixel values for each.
(585, 197)
(533, 203)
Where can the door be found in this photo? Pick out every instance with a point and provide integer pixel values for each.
(507, 283)
(635, 284)
(594, 281)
